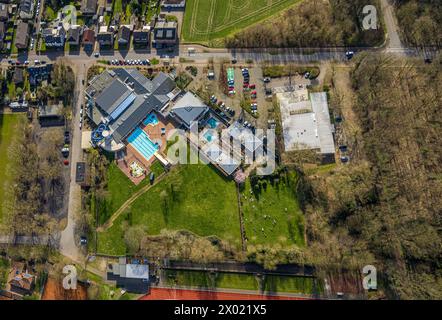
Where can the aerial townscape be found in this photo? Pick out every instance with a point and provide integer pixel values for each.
(220, 150)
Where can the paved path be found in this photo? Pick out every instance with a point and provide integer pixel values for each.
(68, 241)
(394, 44)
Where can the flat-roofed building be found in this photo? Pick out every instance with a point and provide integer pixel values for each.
(306, 122)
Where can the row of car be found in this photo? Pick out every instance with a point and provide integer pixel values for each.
(246, 124)
(130, 62)
(26, 62)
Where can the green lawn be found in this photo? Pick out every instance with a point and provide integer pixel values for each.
(4, 271)
(118, 7)
(274, 215)
(288, 284)
(191, 197)
(205, 21)
(272, 283)
(119, 189)
(8, 131)
(205, 280)
(50, 14)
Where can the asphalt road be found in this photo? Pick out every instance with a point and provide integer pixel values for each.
(68, 240)
(394, 44)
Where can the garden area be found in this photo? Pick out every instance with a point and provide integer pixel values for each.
(271, 210)
(241, 281)
(4, 271)
(192, 197)
(202, 279)
(8, 129)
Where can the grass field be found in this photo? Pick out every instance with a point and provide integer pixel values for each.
(205, 21)
(8, 127)
(120, 188)
(191, 197)
(205, 280)
(272, 283)
(275, 217)
(4, 271)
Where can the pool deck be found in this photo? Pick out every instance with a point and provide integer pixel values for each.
(154, 133)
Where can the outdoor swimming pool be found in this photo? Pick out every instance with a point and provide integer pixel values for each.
(212, 123)
(142, 143)
(208, 136)
(151, 119)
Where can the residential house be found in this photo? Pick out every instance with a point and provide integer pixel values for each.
(73, 36)
(39, 73)
(21, 282)
(26, 9)
(124, 35)
(165, 34)
(173, 4)
(130, 274)
(105, 36)
(88, 39)
(54, 36)
(22, 35)
(88, 7)
(142, 37)
(4, 14)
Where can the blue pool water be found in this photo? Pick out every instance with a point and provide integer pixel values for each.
(212, 123)
(141, 142)
(208, 136)
(151, 119)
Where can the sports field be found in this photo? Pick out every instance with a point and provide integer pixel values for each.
(180, 294)
(208, 20)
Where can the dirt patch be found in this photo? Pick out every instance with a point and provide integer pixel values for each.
(54, 291)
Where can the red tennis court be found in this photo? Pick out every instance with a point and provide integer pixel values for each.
(181, 294)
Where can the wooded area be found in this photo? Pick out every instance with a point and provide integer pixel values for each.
(385, 208)
(420, 21)
(312, 24)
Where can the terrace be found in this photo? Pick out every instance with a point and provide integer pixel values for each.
(156, 132)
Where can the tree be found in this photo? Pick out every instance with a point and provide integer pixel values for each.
(133, 238)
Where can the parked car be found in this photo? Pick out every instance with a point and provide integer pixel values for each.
(349, 54)
(96, 54)
(65, 150)
(252, 86)
(345, 159)
(83, 240)
(67, 137)
(266, 79)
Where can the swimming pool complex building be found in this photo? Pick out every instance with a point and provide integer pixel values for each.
(119, 100)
